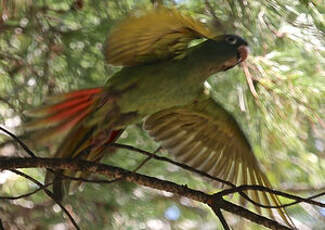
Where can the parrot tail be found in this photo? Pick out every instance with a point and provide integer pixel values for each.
(61, 114)
(64, 120)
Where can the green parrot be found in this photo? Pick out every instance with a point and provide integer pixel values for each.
(162, 84)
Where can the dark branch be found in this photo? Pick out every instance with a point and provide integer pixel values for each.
(234, 189)
(1, 226)
(120, 174)
(265, 189)
(222, 219)
(48, 192)
(233, 208)
(115, 172)
(184, 166)
(22, 144)
(26, 194)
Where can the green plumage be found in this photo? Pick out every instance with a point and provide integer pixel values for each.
(163, 82)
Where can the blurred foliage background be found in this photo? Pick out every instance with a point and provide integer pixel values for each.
(52, 46)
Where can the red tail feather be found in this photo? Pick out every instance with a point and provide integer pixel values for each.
(67, 104)
(65, 113)
(82, 93)
(69, 116)
(69, 112)
(72, 105)
(71, 122)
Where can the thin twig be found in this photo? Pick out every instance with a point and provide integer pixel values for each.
(249, 79)
(297, 199)
(142, 164)
(50, 194)
(222, 219)
(285, 95)
(184, 166)
(26, 194)
(22, 144)
(146, 160)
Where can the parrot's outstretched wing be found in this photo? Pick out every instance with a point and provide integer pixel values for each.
(157, 34)
(205, 136)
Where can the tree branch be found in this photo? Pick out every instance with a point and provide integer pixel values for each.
(215, 202)
(234, 188)
(184, 166)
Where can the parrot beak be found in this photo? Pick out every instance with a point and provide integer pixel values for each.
(242, 54)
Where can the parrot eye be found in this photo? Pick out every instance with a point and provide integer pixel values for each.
(231, 40)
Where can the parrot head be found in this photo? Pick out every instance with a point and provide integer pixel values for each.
(241, 47)
(222, 53)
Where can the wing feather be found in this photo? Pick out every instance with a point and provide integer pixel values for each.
(206, 137)
(156, 34)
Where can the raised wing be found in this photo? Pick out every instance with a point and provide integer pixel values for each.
(158, 34)
(205, 136)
